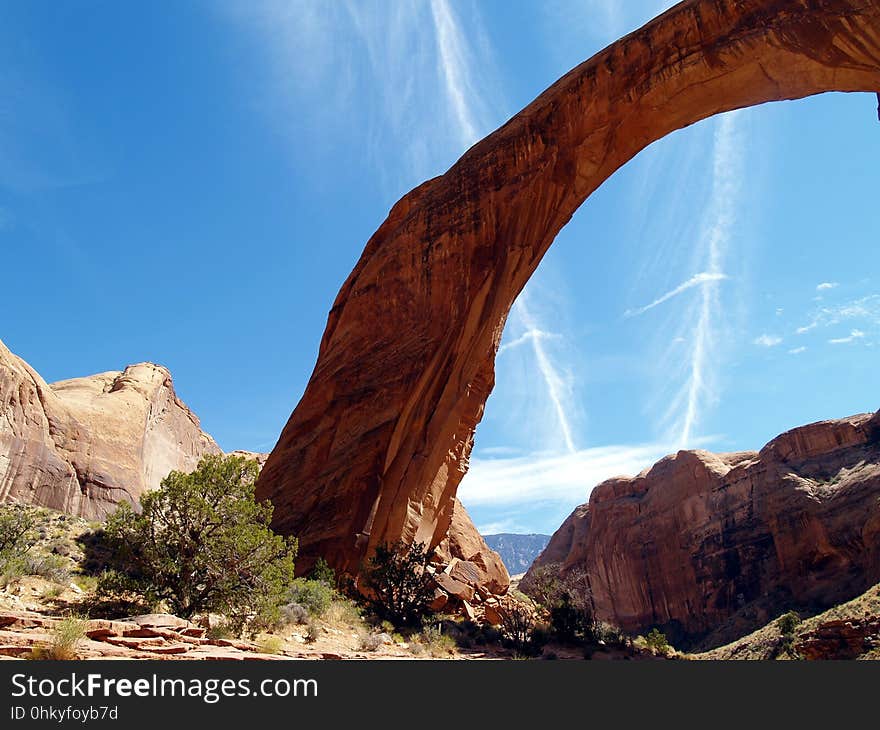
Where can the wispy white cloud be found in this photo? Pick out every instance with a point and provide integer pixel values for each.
(825, 285)
(457, 69)
(865, 310)
(797, 350)
(453, 65)
(565, 478)
(493, 451)
(527, 336)
(425, 90)
(767, 340)
(499, 526)
(853, 336)
(696, 280)
(558, 387)
(700, 389)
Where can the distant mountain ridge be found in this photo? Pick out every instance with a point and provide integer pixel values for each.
(517, 552)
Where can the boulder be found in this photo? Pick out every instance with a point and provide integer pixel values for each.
(441, 598)
(454, 587)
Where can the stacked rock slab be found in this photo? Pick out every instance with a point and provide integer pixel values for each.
(701, 541)
(376, 448)
(467, 571)
(82, 446)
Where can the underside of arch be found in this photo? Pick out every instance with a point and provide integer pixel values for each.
(380, 440)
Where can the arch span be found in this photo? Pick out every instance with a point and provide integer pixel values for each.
(381, 438)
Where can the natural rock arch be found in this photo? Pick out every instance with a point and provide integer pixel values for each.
(380, 440)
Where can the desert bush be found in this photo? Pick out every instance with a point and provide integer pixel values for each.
(51, 567)
(369, 641)
(313, 631)
(788, 622)
(269, 644)
(543, 584)
(52, 592)
(201, 543)
(520, 629)
(315, 596)
(400, 588)
(345, 612)
(294, 613)
(434, 642)
(18, 534)
(66, 636)
(323, 573)
(569, 599)
(611, 635)
(656, 641)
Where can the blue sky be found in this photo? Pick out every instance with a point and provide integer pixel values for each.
(190, 183)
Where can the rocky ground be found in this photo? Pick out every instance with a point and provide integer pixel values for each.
(848, 631)
(50, 610)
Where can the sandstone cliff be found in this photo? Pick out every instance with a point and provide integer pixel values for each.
(83, 445)
(381, 438)
(702, 540)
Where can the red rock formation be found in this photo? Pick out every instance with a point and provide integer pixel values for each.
(700, 539)
(83, 445)
(381, 438)
(464, 543)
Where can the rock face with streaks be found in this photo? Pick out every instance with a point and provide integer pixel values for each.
(380, 440)
(83, 445)
(700, 539)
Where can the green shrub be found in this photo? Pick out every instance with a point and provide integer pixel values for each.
(656, 641)
(51, 567)
(66, 636)
(18, 534)
(788, 622)
(520, 629)
(323, 573)
(202, 544)
(315, 596)
(269, 644)
(611, 635)
(400, 587)
(433, 641)
(569, 599)
(543, 584)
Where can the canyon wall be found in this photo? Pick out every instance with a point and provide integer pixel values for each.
(703, 540)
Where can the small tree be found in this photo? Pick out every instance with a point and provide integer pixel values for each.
(519, 627)
(568, 597)
(543, 584)
(201, 543)
(400, 587)
(323, 573)
(17, 533)
(788, 622)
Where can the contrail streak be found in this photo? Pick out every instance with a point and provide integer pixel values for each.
(695, 280)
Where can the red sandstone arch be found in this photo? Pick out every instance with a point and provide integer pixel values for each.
(380, 440)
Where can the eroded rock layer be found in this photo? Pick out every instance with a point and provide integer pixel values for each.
(83, 445)
(380, 440)
(701, 540)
